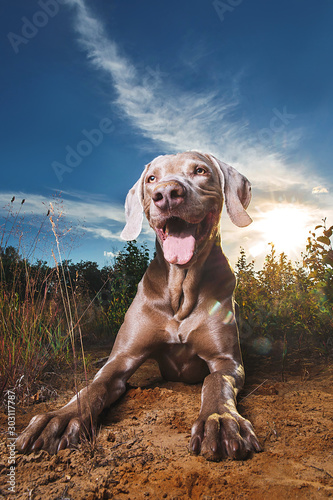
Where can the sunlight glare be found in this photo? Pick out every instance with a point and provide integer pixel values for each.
(287, 227)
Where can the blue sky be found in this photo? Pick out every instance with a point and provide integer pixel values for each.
(92, 91)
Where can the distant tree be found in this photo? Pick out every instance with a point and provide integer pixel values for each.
(130, 265)
(87, 276)
(10, 259)
(124, 276)
(13, 271)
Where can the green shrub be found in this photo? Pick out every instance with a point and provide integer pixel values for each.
(285, 303)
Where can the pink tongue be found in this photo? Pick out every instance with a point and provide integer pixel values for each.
(179, 248)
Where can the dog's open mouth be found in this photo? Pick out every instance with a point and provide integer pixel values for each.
(180, 238)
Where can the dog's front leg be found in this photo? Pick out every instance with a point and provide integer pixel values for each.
(60, 429)
(220, 431)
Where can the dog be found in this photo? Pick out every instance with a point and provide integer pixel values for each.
(183, 314)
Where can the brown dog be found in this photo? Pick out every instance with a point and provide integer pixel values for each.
(183, 314)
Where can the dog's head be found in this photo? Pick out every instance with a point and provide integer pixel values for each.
(182, 197)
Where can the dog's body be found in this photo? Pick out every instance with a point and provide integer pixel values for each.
(183, 314)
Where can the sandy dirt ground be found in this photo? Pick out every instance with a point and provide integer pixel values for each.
(141, 448)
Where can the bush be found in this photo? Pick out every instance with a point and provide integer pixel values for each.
(286, 304)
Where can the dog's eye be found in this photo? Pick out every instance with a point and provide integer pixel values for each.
(200, 171)
(151, 178)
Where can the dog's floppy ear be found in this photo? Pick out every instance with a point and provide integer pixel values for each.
(236, 190)
(134, 211)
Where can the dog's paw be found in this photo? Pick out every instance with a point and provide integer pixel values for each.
(52, 432)
(223, 435)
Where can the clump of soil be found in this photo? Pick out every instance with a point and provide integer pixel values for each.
(141, 450)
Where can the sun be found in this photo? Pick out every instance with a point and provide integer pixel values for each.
(286, 226)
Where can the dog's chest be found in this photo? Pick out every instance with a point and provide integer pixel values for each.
(179, 332)
(179, 360)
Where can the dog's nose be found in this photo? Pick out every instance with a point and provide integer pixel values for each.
(168, 195)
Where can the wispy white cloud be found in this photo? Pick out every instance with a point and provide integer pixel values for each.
(93, 214)
(102, 232)
(83, 209)
(80, 218)
(175, 119)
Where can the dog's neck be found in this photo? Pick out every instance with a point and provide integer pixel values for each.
(183, 283)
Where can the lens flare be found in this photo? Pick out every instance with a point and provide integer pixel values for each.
(262, 345)
(227, 317)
